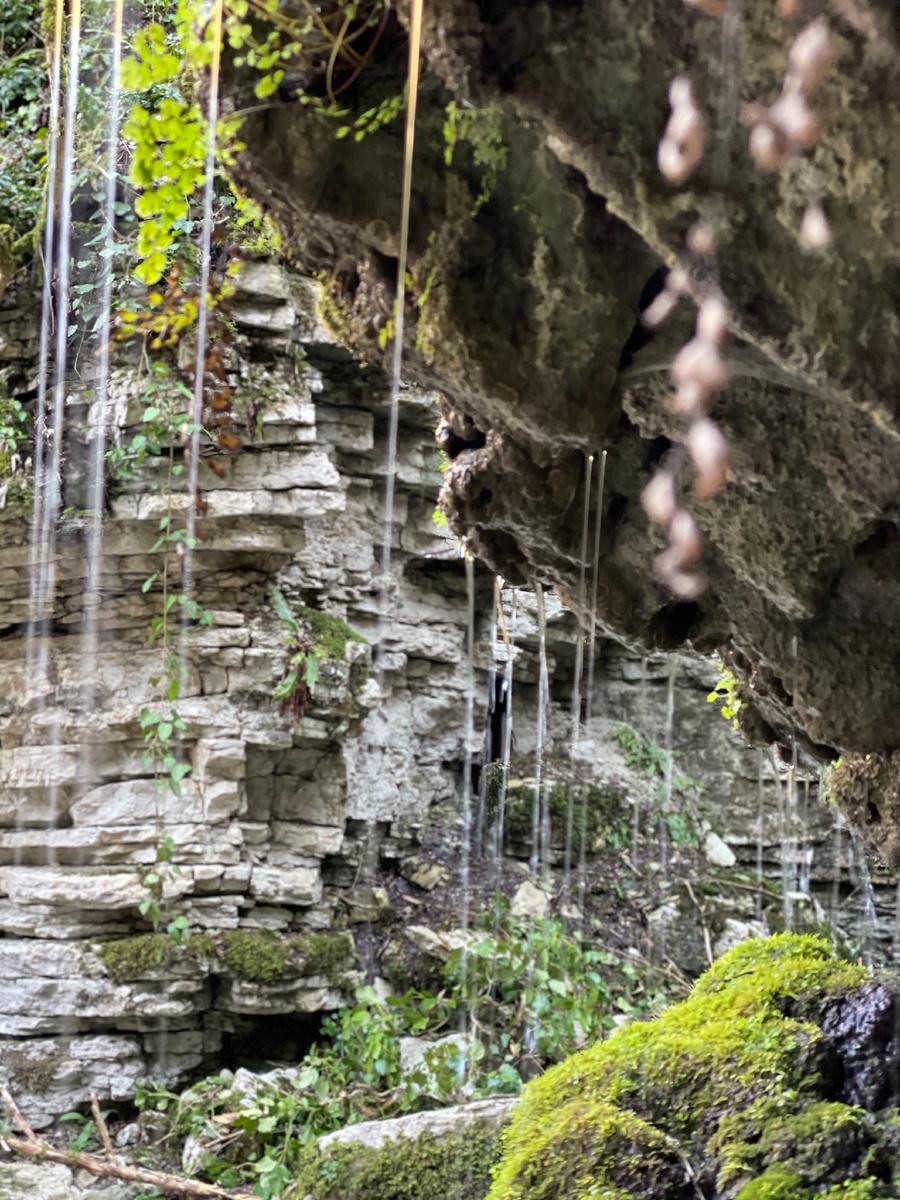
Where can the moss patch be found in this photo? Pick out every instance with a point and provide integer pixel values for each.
(738, 1080)
(330, 635)
(254, 955)
(599, 811)
(425, 1168)
(32, 1069)
(136, 957)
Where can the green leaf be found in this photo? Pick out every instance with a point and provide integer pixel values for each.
(283, 611)
(311, 674)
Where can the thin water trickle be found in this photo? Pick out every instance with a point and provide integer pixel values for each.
(466, 800)
(838, 869)
(540, 813)
(506, 752)
(863, 883)
(668, 782)
(48, 486)
(493, 704)
(595, 583)
(415, 40)
(578, 668)
(99, 405)
(760, 830)
(212, 118)
(787, 904)
(35, 632)
(789, 844)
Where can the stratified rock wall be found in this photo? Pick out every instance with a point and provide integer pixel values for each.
(524, 306)
(280, 823)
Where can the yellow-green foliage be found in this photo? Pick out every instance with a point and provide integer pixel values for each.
(624, 1117)
(424, 1168)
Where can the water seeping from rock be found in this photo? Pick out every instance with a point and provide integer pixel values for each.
(409, 147)
(49, 468)
(578, 670)
(466, 802)
(540, 815)
(100, 399)
(508, 627)
(862, 880)
(760, 828)
(206, 230)
(595, 583)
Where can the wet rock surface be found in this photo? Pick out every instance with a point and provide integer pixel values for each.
(525, 325)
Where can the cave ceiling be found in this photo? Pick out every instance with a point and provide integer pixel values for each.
(523, 311)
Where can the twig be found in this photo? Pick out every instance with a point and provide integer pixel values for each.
(701, 912)
(101, 1127)
(106, 1168)
(13, 1109)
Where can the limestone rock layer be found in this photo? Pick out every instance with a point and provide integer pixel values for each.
(524, 313)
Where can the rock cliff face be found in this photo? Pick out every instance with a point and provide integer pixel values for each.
(524, 308)
(282, 824)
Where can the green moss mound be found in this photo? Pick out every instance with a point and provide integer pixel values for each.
(737, 1091)
(253, 955)
(330, 634)
(422, 1168)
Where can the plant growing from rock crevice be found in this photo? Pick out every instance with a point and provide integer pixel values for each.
(311, 638)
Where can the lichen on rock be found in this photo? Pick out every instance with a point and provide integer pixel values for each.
(746, 1089)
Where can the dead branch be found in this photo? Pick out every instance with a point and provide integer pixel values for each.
(107, 1167)
(101, 1127)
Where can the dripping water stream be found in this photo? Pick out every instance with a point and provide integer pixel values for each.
(409, 146)
(578, 669)
(540, 813)
(100, 403)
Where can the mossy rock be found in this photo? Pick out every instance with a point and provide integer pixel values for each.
(745, 1090)
(598, 812)
(427, 1167)
(253, 955)
(330, 634)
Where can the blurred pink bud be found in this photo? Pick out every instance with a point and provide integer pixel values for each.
(811, 55)
(660, 308)
(684, 537)
(709, 453)
(796, 120)
(702, 239)
(767, 147)
(658, 498)
(680, 92)
(712, 8)
(689, 400)
(671, 162)
(686, 586)
(699, 362)
(815, 232)
(712, 320)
